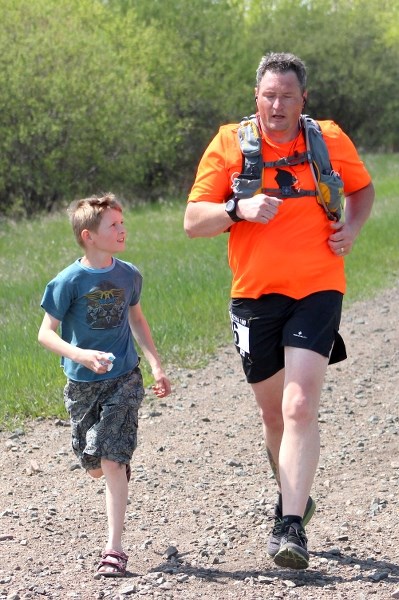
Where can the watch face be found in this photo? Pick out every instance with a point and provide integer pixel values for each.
(230, 205)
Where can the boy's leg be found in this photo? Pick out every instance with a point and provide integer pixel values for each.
(116, 501)
(95, 473)
(114, 438)
(113, 562)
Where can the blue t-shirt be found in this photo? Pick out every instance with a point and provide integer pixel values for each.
(93, 307)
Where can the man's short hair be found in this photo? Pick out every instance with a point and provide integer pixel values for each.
(282, 62)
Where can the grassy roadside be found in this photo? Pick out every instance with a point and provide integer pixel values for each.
(185, 295)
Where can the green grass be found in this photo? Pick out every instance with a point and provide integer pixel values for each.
(374, 262)
(185, 293)
(184, 298)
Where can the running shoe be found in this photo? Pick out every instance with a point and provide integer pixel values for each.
(273, 544)
(293, 552)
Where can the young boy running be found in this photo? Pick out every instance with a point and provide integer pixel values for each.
(95, 305)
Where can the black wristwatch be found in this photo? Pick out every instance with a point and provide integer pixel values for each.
(231, 209)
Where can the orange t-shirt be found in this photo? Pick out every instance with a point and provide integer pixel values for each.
(289, 255)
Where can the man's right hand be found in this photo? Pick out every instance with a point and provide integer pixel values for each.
(258, 209)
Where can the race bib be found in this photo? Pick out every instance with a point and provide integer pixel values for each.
(240, 330)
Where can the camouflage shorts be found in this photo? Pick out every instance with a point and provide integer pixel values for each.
(104, 418)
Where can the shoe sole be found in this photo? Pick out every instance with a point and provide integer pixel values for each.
(290, 558)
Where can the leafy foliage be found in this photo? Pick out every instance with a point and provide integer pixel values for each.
(124, 95)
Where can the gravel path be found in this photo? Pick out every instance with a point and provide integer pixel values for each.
(201, 494)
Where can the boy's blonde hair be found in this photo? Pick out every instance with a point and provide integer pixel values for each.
(87, 213)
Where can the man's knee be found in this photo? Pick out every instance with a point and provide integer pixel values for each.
(300, 408)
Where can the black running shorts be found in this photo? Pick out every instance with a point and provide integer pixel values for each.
(263, 327)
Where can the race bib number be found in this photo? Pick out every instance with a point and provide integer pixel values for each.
(240, 330)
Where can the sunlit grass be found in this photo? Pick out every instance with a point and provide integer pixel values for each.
(374, 262)
(185, 294)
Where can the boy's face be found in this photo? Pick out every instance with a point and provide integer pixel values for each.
(110, 236)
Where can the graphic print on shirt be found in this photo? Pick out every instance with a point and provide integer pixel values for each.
(286, 182)
(105, 306)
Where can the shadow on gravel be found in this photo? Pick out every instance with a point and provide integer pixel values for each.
(369, 570)
(374, 570)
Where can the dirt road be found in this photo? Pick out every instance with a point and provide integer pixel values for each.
(201, 493)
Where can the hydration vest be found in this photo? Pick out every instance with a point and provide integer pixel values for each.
(329, 186)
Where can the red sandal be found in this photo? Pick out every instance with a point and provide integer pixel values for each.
(118, 566)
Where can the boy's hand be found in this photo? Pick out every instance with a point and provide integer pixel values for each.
(95, 360)
(162, 387)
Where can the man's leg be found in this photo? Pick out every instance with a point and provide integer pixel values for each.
(268, 395)
(300, 444)
(272, 395)
(299, 450)
(289, 404)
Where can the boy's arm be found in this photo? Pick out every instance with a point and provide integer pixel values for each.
(49, 338)
(142, 334)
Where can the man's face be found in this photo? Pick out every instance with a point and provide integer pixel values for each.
(280, 102)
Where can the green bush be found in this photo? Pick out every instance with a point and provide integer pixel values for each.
(125, 94)
(72, 101)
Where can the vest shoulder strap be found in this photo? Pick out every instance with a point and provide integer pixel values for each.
(329, 186)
